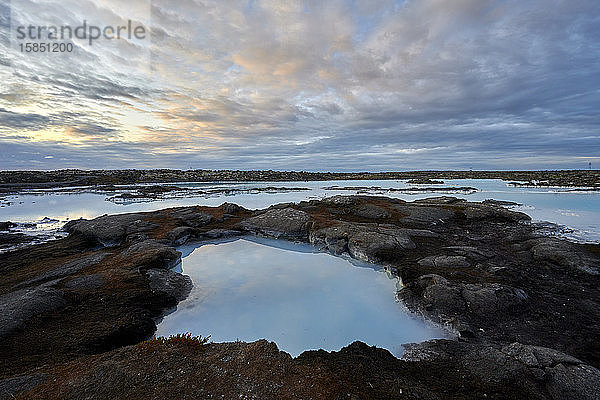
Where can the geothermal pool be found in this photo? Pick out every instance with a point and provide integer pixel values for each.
(253, 288)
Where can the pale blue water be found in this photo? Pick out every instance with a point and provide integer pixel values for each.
(579, 211)
(250, 289)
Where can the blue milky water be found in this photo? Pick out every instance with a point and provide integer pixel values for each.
(250, 289)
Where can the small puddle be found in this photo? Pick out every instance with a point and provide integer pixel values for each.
(253, 288)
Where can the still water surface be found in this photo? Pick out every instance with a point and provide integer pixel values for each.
(253, 288)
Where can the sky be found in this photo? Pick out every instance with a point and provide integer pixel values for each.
(339, 85)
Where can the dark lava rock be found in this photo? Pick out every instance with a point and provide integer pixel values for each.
(424, 181)
(436, 370)
(180, 235)
(445, 262)
(366, 242)
(220, 233)
(370, 211)
(279, 223)
(440, 200)
(230, 208)
(189, 216)
(5, 226)
(21, 305)
(157, 189)
(501, 203)
(170, 282)
(110, 230)
(8, 239)
(66, 269)
(340, 200)
(524, 307)
(333, 239)
(535, 372)
(463, 306)
(153, 254)
(564, 253)
(482, 212)
(85, 282)
(423, 216)
(10, 388)
(563, 376)
(377, 246)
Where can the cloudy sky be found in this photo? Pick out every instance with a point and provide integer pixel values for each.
(337, 85)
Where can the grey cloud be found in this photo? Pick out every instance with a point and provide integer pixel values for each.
(337, 85)
(13, 120)
(94, 130)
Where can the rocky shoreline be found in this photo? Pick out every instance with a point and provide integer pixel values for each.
(13, 181)
(77, 312)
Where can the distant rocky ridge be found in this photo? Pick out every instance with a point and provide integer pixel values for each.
(15, 180)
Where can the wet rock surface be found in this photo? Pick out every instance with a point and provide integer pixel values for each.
(525, 308)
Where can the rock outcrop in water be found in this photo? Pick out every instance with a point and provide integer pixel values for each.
(525, 308)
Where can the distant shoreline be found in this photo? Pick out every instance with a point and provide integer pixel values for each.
(18, 180)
